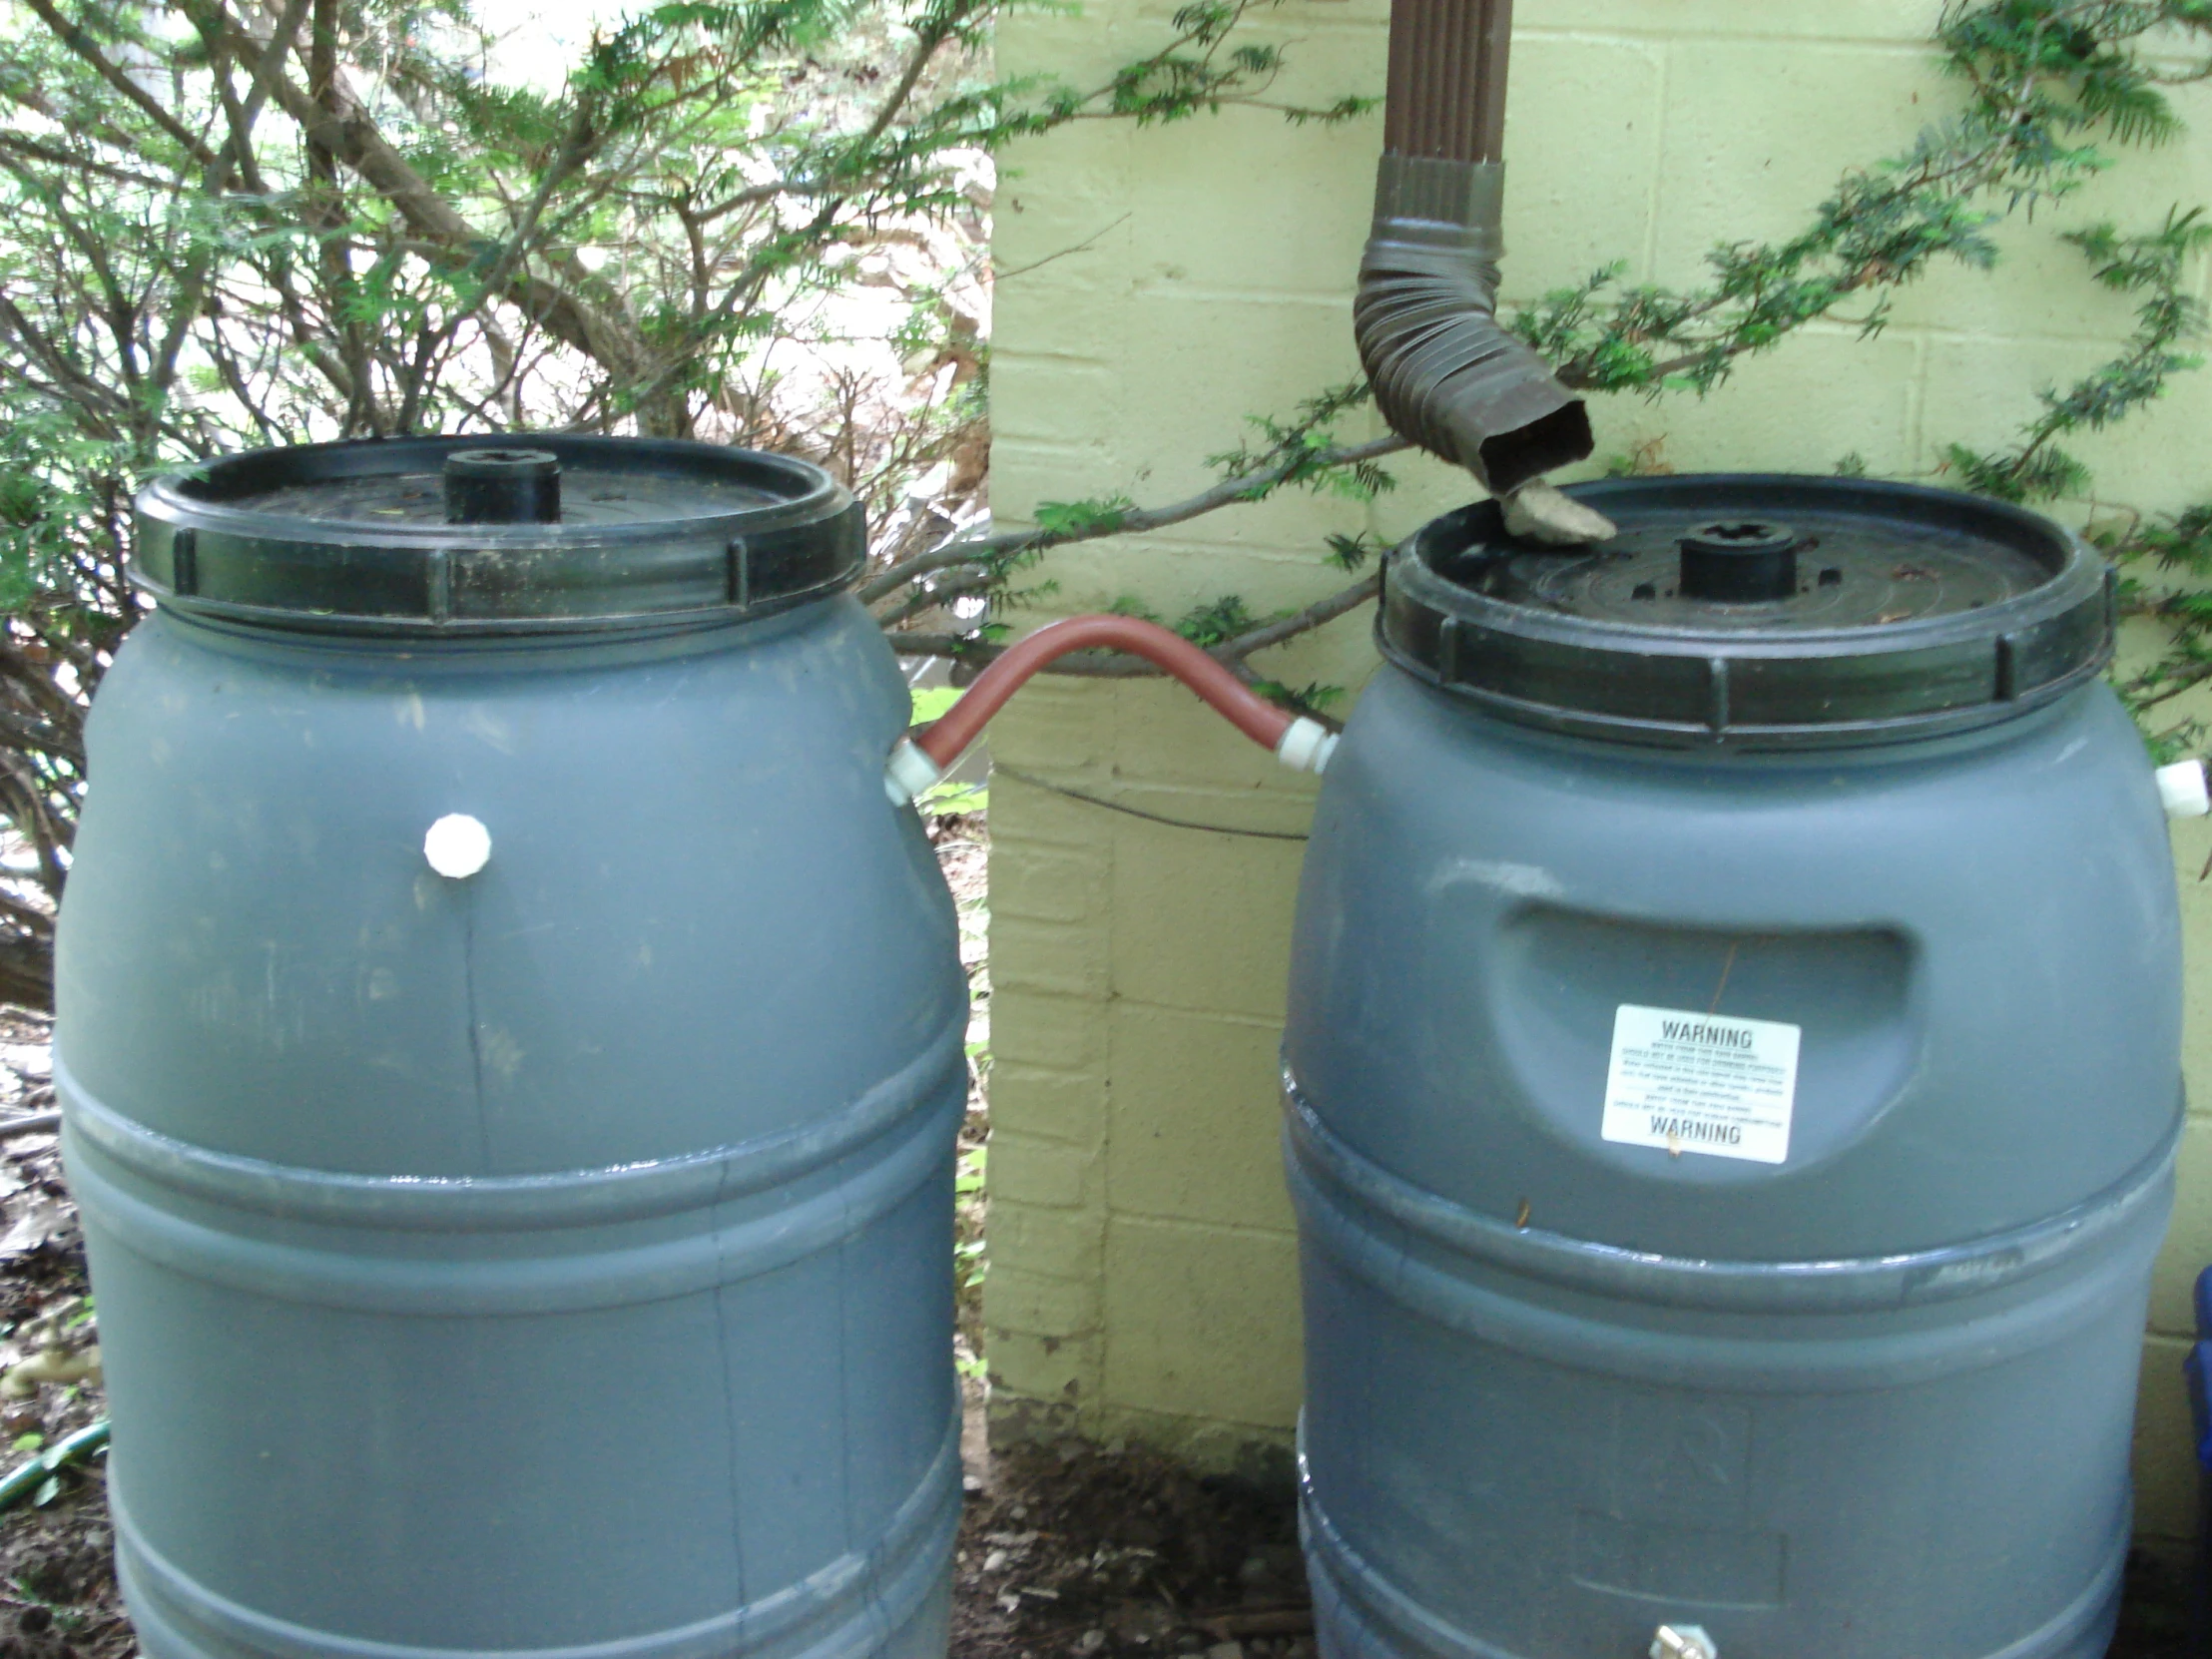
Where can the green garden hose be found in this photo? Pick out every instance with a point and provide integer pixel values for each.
(27, 1477)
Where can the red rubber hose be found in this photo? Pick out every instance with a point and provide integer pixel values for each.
(1245, 709)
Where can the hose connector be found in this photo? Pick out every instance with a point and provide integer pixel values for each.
(909, 773)
(918, 761)
(1307, 745)
(2183, 790)
(1446, 374)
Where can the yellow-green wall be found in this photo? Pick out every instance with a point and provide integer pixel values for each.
(1158, 287)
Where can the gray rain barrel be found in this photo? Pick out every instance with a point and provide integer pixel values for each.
(1733, 1079)
(554, 1257)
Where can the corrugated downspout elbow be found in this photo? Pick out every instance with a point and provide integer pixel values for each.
(1446, 375)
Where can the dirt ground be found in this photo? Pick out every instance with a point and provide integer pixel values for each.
(1080, 1551)
(57, 1578)
(1074, 1552)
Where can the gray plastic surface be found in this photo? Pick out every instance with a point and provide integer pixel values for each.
(553, 1259)
(1873, 1400)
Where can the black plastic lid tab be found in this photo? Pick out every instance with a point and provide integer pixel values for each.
(474, 535)
(1773, 612)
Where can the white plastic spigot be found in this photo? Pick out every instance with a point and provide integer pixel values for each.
(2184, 789)
(909, 773)
(1307, 745)
(457, 846)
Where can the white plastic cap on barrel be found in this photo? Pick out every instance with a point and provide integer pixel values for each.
(2184, 791)
(457, 845)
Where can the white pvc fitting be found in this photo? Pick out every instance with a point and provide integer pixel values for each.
(1307, 745)
(2184, 789)
(909, 773)
(457, 846)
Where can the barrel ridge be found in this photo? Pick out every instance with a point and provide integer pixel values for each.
(503, 1203)
(1910, 1279)
(846, 1607)
(618, 1276)
(1830, 1354)
(1348, 1591)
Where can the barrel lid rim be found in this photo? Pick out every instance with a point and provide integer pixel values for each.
(1817, 686)
(750, 559)
(169, 493)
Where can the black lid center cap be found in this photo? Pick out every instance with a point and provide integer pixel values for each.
(503, 486)
(1740, 561)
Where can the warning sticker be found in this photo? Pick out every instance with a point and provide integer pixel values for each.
(1702, 1083)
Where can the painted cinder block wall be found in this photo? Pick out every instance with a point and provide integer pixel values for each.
(1158, 287)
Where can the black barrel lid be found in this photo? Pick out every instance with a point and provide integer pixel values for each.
(519, 534)
(1774, 612)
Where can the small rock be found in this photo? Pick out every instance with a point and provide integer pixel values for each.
(1141, 1623)
(1540, 512)
(995, 1561)
(1226, 1650)
(35, 1060)
(1090, 1642)
(41, 1223)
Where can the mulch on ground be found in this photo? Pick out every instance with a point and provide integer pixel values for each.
(1079, 1550)
(1082, 1553)
(57, 1576)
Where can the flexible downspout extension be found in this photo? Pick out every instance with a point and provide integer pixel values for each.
(1446, 375)
(918, 762)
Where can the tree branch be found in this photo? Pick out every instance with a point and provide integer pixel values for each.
(1135, 521)
(1113, 665)
(74, 38)
(350, 135)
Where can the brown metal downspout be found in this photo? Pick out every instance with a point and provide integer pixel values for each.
(1446, 375)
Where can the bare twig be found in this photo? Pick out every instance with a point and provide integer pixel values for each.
(1135, 521)
(78, 42)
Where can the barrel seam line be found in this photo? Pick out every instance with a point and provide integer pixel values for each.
(475, 1031)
